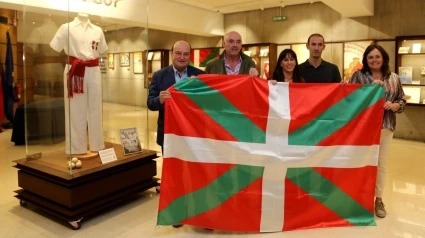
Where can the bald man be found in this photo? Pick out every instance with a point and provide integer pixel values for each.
(167, 77)
(232, 61)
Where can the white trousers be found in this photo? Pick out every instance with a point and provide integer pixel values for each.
(384, 148)
(82, 110)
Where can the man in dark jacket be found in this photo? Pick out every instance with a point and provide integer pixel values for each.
(167, 77)
(232, 61)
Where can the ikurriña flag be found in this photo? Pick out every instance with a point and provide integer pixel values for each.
(241, 154)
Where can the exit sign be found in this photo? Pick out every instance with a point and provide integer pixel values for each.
(279, 18)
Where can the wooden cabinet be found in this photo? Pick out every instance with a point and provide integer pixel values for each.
(264, 56)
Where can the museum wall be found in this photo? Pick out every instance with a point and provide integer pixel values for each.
(391, 18)
(120, 84)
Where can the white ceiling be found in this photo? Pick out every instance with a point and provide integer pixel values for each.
(231, 6)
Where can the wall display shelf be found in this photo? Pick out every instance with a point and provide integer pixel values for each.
(413, 61)
(264, 56)
(410, 123)
(157, 59)
(47, 184)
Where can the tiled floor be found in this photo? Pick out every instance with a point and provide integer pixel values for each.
(404, 195)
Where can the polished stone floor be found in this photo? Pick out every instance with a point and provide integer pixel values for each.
(404, 195)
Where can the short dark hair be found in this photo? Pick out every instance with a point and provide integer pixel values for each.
(278, 72)
(385, 69)
(315, 34)
(172, 47)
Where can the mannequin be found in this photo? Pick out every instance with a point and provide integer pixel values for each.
(84, 18)
(83, 42)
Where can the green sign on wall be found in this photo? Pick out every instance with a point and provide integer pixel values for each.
(279, 18)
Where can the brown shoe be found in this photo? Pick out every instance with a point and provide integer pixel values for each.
(178, 226)
(380, 209)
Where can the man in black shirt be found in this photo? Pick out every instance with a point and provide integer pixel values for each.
(315, 69)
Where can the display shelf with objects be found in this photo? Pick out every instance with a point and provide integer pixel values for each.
(410, 66)
(264, 56)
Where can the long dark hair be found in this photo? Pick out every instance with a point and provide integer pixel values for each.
(278, 72)
(385, 69)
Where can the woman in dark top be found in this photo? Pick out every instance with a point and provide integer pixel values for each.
(287, 68)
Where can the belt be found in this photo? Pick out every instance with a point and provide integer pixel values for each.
(75, 80)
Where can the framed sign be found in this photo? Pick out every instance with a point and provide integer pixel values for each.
(138, 62)
(353, 55)
(111, 61)
(130, 141)
(124, 59)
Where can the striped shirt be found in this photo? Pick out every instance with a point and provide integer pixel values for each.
(393, 93)
(229, 70)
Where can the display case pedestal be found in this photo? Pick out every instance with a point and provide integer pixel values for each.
(47, 184)
(88, 155)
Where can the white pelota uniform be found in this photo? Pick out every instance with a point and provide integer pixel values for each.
(85, 41)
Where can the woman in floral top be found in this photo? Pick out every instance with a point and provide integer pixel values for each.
(376, 70)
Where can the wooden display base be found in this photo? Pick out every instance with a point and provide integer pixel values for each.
(47, 184)
(88, 155)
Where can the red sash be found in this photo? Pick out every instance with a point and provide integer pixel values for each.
(75, 80)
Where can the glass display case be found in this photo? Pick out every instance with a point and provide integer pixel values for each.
(82, 114)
